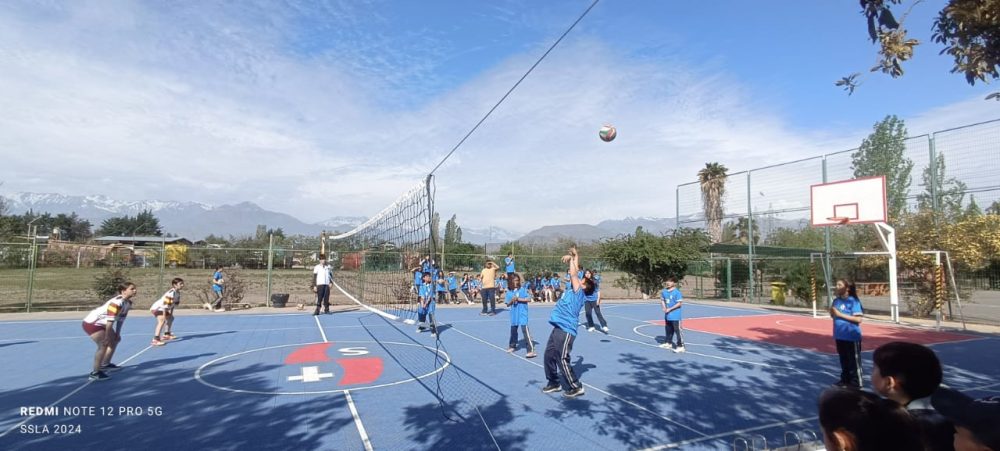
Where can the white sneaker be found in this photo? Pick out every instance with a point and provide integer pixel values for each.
(420, 329)
(206, 306)
(605, 329)
(679, 349)
(590, 329)
(666, 346)
(220, 309)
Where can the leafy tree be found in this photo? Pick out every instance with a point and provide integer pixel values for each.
(143, 224)
(452, 231)
(72, 227)
(436, 231)
(882, 153)
(743, 229)
(948, 194)
(994, 208)
(713, 190)
(972, 243)
(969, 30)
(650, 259)
(973, 209)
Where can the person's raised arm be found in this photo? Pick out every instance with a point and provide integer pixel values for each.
(574, 267)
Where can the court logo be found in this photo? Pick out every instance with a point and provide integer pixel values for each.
(321, 361)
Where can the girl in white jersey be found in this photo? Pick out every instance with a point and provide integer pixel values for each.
(163, 310)
(104, 325)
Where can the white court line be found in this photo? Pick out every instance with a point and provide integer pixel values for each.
(350, 401)
(85, 384)
(193, 332)
(988, 387)
(198, 373)
(781, 322)
(28, 321)
(635, 330)
(321, 332)
(724, 434)
(767, 365)
(585, 384)
(357, 421)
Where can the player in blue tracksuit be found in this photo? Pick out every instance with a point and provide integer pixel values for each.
(453, 287)
(565, 319)
(594, 303)
(441, 287)
(426, 309)
(671, 301)
(517, 299)
(847, 315)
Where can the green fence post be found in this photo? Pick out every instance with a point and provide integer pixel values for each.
(750, 239)
(270, 267)
(729, 279)
(32, 255)
(163, 261)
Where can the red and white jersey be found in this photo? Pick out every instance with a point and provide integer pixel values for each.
(167, 302)
(115, 310)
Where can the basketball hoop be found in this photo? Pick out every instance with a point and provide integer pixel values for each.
(839, 219)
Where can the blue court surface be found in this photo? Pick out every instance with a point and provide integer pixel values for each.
(355, 381)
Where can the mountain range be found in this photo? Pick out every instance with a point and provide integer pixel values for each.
(194, 220)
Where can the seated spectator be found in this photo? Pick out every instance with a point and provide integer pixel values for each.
(977, 421)
(909, 373)
(854, 420)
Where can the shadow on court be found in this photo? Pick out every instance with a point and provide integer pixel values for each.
(171, 408)
(700, 397)
(15, 343)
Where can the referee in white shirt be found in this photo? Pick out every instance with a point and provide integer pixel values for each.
(321, 284)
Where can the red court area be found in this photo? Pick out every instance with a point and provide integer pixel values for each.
(812, 333)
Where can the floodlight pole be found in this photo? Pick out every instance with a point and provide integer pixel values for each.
(887, 235)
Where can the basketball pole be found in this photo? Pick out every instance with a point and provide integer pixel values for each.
(887, 235)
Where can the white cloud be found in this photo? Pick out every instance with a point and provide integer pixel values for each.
(219, 104)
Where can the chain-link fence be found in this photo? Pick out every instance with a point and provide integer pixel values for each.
(771, 251)
(69, 276)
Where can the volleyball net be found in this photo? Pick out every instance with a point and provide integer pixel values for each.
(374, 263)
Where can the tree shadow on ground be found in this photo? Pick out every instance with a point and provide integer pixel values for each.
(173, 411)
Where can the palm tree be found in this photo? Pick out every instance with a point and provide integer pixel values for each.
(713, 189)
(743, 228)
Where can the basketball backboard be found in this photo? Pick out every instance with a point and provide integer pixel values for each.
(855, 201)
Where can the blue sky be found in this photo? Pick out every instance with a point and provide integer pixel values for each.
(322, 109)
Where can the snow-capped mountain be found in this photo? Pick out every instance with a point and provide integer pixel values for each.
(486, 235)
(96, 206)
(342, 223)
(192, 220)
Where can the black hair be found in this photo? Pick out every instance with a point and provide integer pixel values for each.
(916, 367)
(852, 290)
(176, 281)
(875, 424)
(588, 286)
(672, 279)
(124, 286)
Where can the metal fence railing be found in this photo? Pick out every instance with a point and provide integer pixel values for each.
(766, 212)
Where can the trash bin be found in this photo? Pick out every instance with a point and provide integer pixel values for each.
(279, 299)
(778, 293)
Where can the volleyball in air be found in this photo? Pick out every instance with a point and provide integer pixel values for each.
(608, 133)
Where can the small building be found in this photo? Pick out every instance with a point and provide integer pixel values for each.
(142, 249)
(143, 240)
